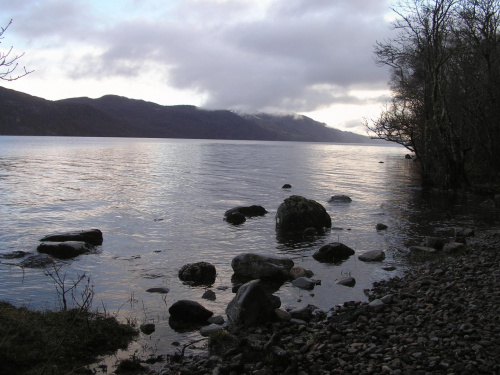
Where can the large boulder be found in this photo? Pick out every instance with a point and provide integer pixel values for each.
(249, 211)
(297, 213)
(252, 304)
(91, 236)
(198, 273)
(255, 266)
(333, 253)
(189, 312)
(65, 250)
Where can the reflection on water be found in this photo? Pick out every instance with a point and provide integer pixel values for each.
(160, 205)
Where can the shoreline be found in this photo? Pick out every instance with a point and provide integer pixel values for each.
(440, 317)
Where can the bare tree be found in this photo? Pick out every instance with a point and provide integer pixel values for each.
(445, 85)
(9, 62)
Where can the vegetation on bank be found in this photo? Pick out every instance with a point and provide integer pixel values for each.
(57, 342)
(445, 84)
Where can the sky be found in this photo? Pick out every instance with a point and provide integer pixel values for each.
(309, 57)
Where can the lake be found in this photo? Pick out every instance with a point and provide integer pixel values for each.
(160, 204)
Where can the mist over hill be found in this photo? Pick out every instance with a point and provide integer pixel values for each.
(116, 116)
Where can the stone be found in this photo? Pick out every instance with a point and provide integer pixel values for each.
(453, 247)
(249, 211)
(372, 256)
(91, 236)
(381, 226)
(65, 250)
(147, 328)
(422, 250)
(286, 186)
(14, 255)
(210, 330)
(299, 271)
(303, 313)
(376, 305)
(340, 199)
(256, 266)
(160, 290)
(297, 213)
(235, 218)
(199, 273)
(333, 253)
(347, 281)
(252, 305)
(189, 311)
(464, 232)
(218, 319)
(435, 242)
(37, 261)
(305, 283)
(283, 315)
(210, 295)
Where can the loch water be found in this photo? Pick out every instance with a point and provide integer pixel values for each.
(160, 204)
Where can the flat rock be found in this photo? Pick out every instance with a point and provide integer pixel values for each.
(247, 211)
(210, 330)
(65, 250)
(161, 290)
(256, 266)
(305, 283)
(372, 256)
(348, 281)
(340, 199)
(91, 236)
(422, 249)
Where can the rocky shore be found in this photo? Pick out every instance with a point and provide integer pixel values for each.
(441, 317)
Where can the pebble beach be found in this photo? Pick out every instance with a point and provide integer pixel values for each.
(441, 317)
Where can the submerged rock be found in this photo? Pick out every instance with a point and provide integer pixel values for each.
(257, 266)
(249, 211)
(161, 290)
(91, 236)
(297, 213)
(65, 250)
(332, 253)
(340, 199)
(37, 261)
(381, 226)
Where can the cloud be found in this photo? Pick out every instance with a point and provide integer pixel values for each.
(283, 55)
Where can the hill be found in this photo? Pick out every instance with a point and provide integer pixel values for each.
(116, 116)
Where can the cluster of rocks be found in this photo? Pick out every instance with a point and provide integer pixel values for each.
(439, 318)
(59, 246)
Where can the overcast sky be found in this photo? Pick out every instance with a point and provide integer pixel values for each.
(312, 57)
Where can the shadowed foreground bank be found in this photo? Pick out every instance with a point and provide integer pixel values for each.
(62, 342)
(442, 317)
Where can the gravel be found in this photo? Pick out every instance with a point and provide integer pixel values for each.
(441, 317)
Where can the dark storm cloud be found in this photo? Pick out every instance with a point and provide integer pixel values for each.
(288, 55)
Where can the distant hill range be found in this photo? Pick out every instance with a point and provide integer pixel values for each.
(116, 116)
